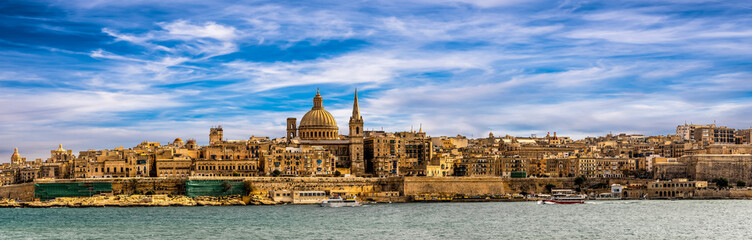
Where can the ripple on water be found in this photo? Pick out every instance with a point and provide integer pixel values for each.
(522, 220)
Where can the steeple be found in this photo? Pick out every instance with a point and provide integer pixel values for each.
(356, 118)
(318, 100)
(420, 130)
(357, 163)
(356, 107)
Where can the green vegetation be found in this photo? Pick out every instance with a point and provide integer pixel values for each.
(721, 182)
(741, 183)
(580, 180)
(549, 187)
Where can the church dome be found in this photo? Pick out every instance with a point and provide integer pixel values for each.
(318, 118)
(318, 123)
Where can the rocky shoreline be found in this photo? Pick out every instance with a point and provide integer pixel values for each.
(138, 201)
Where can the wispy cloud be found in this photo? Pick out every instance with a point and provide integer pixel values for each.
(92, 74)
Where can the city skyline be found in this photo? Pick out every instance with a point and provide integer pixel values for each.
(93, 75)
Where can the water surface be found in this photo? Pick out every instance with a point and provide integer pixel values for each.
(716, 219)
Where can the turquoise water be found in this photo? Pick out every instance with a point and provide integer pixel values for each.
(716, 219)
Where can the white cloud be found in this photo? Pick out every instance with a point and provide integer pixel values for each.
(360, 67)
(76, 105)
(479, 3)
(182, 29)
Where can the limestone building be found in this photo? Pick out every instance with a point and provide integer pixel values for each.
(319, 128)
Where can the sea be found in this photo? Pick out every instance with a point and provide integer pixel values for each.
(639, 219)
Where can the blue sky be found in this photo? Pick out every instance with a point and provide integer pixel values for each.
(99, 74)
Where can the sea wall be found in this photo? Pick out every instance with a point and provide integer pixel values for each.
(350, 185)
(176, 186)
(723, 194)
(536, 185)
(21, 192)
(406, 186)
(454, 185)
(167, 186)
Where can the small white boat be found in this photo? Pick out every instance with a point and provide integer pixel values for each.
(564, 196)
(338, 201)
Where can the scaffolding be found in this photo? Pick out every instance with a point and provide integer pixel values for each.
(49, 191)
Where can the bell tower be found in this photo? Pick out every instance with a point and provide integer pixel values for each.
(215, 135)
(357, 164)
(292, 129)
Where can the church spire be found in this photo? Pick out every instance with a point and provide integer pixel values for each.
(356, 107)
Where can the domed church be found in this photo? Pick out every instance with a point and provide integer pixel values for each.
(318, 123)
(319, 128)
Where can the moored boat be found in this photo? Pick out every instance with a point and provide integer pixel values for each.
(564, 196)
(349, 201)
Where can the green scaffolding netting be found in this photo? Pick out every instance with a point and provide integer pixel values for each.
(214, 188)
(519, 174)
(48, 191)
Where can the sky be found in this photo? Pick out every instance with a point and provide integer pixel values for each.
(96, 74)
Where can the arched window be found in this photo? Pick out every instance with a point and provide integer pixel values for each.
(357, 130)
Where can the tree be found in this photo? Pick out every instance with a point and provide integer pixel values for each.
(741, 183)
(226, 186)
(276, 173)
(549, 187)
(337, 174)
(721, 182)
(580, 180)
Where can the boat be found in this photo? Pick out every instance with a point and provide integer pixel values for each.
(563, 196)
(349, 201)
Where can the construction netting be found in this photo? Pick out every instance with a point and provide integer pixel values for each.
(48, 191)
(214, 188)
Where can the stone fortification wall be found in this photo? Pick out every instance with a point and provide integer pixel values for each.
(454, 185)
(19, 192)
(351, 185)
(723, 194)
(176, 186)
(537, 185)
(172, 186)
(666, 171)
(707, 167)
